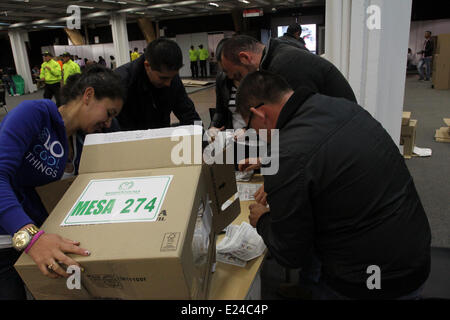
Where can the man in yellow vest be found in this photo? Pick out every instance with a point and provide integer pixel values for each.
(51, 75)
(203, 54)
(135, 54)
(69, 67)
(193, 56)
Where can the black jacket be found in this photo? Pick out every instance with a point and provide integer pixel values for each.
(343, 189)
(429, 48)
(290, 39)
(222, 115)
(301, 68)
(148, 107)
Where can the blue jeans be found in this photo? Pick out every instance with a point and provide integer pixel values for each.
(11, 285)
(424, 62)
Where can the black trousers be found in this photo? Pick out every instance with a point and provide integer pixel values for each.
(203, 71)
(53, 90)
(11, 285)
(194, 69)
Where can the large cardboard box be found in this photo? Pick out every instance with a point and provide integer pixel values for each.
(149, 223)
(443, 45)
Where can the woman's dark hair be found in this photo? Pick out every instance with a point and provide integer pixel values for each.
(106, 84)
(164, 55)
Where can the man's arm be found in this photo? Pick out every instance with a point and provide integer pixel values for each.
(220, 115)
(287, 230)
(183, 107)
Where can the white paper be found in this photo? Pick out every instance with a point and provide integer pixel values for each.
(422, 152)
(134, 199)
(247, 190)
(244, 176)
(122, 136)
(242, 242)
(230, 259)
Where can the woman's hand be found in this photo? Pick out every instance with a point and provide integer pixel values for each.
(49, 250)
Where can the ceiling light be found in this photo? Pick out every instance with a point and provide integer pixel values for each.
(85, 7)
(167, 9)
(244, 1)
(213, 4)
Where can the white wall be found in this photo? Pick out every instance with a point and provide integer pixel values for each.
(418, 28)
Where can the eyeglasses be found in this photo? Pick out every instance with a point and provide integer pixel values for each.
(251, 114)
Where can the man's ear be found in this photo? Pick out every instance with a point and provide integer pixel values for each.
(258, 113)
(245, 58)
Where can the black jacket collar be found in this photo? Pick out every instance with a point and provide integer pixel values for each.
(293, 104)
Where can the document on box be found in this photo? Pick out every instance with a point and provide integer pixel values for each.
(242, 242)
(247, 190)
(134, 199)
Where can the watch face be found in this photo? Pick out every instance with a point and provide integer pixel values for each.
(21, 240)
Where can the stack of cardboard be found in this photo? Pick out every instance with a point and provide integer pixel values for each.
(149, 223)
(441, 63)
(408, 134)
(443, 134)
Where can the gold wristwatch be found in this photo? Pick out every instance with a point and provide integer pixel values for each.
(22, 238)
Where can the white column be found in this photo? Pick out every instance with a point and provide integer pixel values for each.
(120, 38)
(373, 60)
(17, 38)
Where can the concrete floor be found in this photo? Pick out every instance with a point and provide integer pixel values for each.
(431, 176)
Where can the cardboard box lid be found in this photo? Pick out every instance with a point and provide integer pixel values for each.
(51, 193)
(442, 134)
(146, 148)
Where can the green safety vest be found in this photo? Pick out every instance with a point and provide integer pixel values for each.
(204, 54)
(53, 75)
(70, 68)
(193, 54)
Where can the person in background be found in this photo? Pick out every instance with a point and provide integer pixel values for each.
(101, 61)
(193, 56)
(203, 56)
(113, 64)
(293, 36)
(69, 67)
(343, 194)
(59, 59)
(90, 101)
(426, 57)
(154, 89)
(135, 54)
(7, 80)
(35, 73)
(51, 75)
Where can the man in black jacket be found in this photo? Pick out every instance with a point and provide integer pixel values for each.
(427, 56)
(243, 54)
(293, 36)
(154, 89)
(342, 191)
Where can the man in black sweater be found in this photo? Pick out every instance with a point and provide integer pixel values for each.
(426, 57)
(154, 89)
(342, 191)
(300, 68)
(293, 36)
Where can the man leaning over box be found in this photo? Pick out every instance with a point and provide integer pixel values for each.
(154, 89)
(343, 195)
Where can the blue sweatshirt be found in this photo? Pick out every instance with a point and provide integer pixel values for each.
(33, 152)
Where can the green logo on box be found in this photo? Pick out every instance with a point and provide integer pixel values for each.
(126, 185)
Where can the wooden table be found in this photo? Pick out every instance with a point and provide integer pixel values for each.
(231, 282)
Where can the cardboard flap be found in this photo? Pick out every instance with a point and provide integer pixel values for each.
(143, 149)
(222, 187)
(51, 193)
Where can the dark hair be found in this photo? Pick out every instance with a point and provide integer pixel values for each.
(234, 45)
(429, 32)
(294, 28)
(105, 82)
(164, 55)
(219, 49)
(260, 87)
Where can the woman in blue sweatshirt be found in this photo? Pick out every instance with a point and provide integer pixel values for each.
(37, 148)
